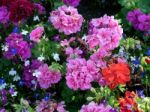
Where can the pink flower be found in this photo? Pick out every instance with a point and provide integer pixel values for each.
(73, 53)
(47, 77)
(36, 34)
(66, 19)
(66, 43)
(80, 74)
(104, 33)
(60, 107)
(94, 107)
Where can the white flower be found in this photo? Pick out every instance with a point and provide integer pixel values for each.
(16, 78)
(41, 58)
(36, 73)
(26, 63)
(15, 93)
(84, 37)
(56, 56)
(12, 72)
(24, 32)
(36, 18)
(12, 86)
(5, 48)
(2, 86)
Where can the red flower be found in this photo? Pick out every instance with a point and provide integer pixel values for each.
(20, 9)
(6, 3)
(128, 104)
(147, 60)
(116, 74)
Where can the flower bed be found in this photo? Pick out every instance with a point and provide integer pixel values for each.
(74, 56)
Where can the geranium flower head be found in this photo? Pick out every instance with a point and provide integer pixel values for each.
(20, 9)
(66, 19)
(116, 73)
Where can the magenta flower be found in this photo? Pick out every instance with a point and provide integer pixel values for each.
(4, 15)
(17, 47)
(47, 76)
(66, 19)
(36, 34)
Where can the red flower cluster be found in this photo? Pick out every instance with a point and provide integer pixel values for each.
(116, 73)
(128, 104)
(19, 9)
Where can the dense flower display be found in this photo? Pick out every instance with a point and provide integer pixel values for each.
(66, 19)
(74, 56)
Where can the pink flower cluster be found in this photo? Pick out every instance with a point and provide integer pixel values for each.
(73, 3)
(104, 33)
(80, 73)
(139, 20)
(47, 76)
(66, 19)
(36, 34)
(17, 47)
(94, 107)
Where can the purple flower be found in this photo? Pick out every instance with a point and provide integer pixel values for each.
(17, 47)
(2, 110)
(139, 20)
(28, 71)
(73, 3)
(40, 8)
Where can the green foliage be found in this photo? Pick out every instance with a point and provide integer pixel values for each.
(24, 105)
(144, 5)
(46, 48)
(144, 103)
(129, 4)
